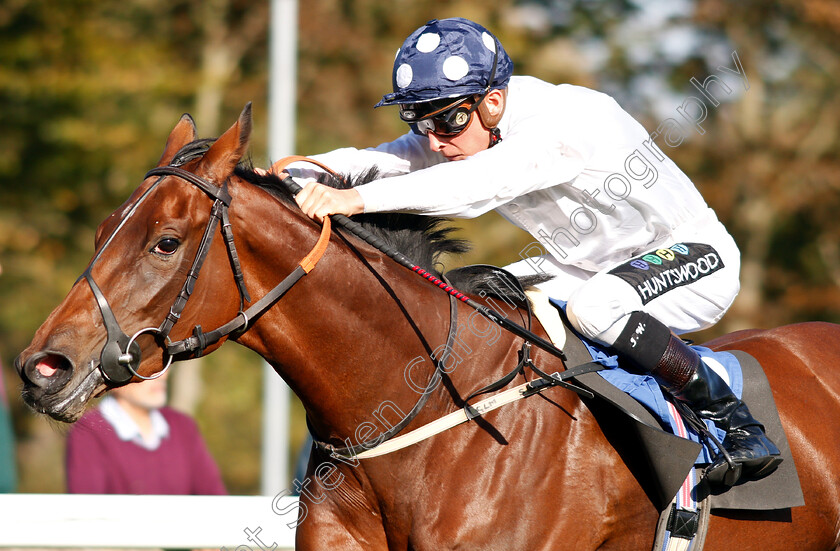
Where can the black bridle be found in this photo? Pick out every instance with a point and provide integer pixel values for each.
(120, 357)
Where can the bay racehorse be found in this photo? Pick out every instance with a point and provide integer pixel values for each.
(355, 339)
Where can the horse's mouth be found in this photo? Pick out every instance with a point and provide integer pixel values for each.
(56, 398)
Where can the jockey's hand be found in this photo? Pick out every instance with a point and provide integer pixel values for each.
(319, 201)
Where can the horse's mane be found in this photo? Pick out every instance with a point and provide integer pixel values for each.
(424, 239)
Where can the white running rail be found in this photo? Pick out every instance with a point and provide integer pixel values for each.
(235, 523)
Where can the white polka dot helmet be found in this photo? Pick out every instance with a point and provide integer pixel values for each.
(450, 58)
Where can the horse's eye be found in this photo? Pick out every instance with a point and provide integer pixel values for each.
(166, 246)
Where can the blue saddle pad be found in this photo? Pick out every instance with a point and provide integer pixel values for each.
(645, 389)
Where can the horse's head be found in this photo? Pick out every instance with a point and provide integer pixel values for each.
(114, 325)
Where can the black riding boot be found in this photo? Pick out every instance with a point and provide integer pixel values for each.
(652, 348)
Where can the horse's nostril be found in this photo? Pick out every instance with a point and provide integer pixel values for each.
(47, 367)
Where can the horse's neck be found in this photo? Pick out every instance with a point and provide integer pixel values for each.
(354, 335)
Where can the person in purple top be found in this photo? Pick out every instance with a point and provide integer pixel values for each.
(133, 444)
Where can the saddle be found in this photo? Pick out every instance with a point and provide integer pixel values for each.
(666, 458)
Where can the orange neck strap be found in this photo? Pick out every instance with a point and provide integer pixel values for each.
(308, 263)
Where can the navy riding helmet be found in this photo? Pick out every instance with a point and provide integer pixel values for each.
(451, 58)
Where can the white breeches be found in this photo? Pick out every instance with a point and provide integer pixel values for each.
(687, 283)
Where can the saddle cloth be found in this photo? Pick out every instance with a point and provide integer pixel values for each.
(645, 389)
(670, 457)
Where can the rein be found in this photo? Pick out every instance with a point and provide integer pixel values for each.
(356, 229)
(121, 355)
(366, 449)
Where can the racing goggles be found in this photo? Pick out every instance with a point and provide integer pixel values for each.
(449, 120)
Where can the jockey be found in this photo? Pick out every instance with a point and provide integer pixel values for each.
(633, 248)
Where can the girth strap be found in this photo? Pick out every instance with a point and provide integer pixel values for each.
(455, 418)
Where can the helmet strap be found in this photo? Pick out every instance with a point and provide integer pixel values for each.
(495, 137)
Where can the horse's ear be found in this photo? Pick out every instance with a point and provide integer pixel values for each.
(183, 133)
(223, 156)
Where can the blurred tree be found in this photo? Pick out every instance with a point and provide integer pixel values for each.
(770, 162)
(227, 35)
(766, 159)
(88, 93)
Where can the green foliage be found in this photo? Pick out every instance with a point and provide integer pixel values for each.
(88, 93)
